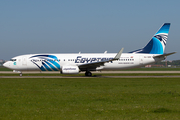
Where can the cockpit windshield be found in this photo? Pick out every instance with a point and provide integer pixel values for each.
(12, 59)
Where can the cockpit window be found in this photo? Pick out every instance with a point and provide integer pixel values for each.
(12, 59)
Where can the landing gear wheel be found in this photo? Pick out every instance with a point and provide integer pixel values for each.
(88, 73)
(20, 74)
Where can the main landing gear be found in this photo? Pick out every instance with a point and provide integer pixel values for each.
(88, 73)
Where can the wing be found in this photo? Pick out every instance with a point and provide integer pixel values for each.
(94, 65)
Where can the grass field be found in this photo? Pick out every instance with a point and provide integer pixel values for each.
(4, 69)
(89, 98)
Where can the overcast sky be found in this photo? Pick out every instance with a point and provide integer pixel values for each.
(70, 26)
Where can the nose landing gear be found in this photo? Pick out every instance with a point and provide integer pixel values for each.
(20, 73)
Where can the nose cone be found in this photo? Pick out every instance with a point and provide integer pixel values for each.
(6, 64)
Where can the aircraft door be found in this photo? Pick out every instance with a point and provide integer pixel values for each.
(140, 60)
(24, 61)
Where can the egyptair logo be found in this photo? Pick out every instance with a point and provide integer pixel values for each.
(162, 37)
(46, 62)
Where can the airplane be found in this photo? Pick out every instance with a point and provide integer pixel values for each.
(76, 63)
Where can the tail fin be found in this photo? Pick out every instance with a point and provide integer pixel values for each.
(157, 44)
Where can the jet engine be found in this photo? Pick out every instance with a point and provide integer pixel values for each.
(70, 70)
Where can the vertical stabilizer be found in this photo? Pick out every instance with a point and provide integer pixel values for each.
(157, 44)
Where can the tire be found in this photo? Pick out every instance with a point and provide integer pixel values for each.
(88, 73)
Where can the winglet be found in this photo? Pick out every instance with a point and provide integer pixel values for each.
(118, 54)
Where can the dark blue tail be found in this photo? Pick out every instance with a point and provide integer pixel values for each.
(157, 44)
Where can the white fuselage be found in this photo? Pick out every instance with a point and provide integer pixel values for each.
(75, 63)
(37, 62)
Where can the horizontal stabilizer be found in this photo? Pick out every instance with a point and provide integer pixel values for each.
(164, 55)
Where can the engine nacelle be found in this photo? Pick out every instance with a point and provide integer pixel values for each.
(70, 70)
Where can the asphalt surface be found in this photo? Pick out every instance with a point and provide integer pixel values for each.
(10, 72)
(90, 77)
(95, 76)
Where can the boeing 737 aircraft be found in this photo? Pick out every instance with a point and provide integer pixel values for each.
(75, 63)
